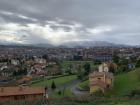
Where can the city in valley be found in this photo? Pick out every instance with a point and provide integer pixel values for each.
(73, 75)
(69, 52)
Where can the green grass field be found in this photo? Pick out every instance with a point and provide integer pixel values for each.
(58, 81)
(64, 93)
(127, 82)
(84, 85)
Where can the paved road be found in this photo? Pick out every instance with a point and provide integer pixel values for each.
(73, 87)
(78, 92)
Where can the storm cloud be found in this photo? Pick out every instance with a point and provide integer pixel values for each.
(60, 21)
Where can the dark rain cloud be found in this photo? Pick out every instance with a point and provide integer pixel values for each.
(122, 16)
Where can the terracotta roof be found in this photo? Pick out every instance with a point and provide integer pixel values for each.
(12, 91)
(98, 74)
(99, 83)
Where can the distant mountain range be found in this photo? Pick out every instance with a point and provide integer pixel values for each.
(83, 44)
(93, 44)
(73, 44)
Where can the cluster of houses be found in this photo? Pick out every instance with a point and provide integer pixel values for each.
(28, 62)
(98, 53)
(27, 68)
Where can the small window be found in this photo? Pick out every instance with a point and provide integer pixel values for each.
(108, 86)
(99, 78)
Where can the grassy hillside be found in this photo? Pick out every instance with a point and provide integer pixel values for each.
(84, 85)
(127, 82)
(123, 84)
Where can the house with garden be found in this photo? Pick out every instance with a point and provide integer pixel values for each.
(101, 80)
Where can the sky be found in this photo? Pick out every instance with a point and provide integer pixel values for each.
(61, 21)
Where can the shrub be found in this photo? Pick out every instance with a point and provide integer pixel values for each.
(53, 86)
(135, 92)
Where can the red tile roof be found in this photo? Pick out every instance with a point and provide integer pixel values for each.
(99, 83)
(12, 91)
(99, 74)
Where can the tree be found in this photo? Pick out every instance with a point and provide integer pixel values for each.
(14, 73)
(123, 61)
(124, 68)
(53, 86)
(138, 64)
(59, 92)
(112, 68)
(97, 62)
(87, 68)
(79, 69)
(70, 69)
(133, 59)
(45, 56)
(80, 75)
(116, 59)
(46, 88)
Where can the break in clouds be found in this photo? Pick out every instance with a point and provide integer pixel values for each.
(61, 21)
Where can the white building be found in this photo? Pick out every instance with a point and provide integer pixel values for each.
(40, 60)
(15, 62)
(103, 68)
